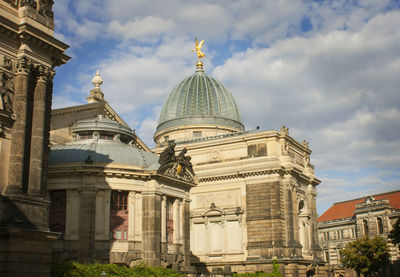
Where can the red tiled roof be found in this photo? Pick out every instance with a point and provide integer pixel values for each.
(346, 209)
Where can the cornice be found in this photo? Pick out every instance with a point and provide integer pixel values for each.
(282, 171)
(55, 171)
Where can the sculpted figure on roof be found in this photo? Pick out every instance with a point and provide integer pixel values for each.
(168, 155)
(198, 47)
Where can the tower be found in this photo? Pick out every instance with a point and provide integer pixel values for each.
(29, 54)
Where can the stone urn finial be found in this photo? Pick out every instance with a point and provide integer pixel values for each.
(96, 95)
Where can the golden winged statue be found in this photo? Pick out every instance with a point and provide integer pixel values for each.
(198, 49)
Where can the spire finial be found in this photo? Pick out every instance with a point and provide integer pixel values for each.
(96, 95)
(97, 80)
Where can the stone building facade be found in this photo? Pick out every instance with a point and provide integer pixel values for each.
(28, 55)
(114, 200)
(255, 201)
(346, 221)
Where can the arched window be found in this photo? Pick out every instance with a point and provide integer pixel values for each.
(380, 226)
(365, 225)
(301, 206)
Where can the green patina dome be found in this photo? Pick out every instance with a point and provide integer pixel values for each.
(102, 140)
(200, 99)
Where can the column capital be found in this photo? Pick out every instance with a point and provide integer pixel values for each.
(24, 65)
(44, 73)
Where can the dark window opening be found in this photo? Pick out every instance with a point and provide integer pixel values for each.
(365, 225)
(119, 200)
(197, 134)
(85, 135)
(119, 215)
(257, 150)
(58, 208)
(380, 225)
(107, 136)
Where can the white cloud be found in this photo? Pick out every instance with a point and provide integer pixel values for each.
(142, 29)
(336, 85)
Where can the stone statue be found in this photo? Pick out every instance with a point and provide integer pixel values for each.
(184, 161)
(168, 155)
(5, 92)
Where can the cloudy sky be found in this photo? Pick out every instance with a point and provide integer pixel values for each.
(328, 70)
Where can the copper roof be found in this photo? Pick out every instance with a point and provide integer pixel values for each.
(346, 209)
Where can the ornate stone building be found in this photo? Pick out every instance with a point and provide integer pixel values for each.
(114, 200)
(28, 55)
(346, 221)
(255, 201)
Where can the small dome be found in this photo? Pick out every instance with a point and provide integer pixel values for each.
(102, 140)
(102, 124)
(102, 151)
(200, 99)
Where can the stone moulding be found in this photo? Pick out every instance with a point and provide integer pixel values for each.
(281, 171)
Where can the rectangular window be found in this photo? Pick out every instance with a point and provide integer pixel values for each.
(257, 150)
(119, 215)
(197, 134)
(58, 211)
(119, 200)
(118, 234)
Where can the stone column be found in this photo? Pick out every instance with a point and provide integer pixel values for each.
(164, 219)
(20, 134)
(186, 233)
(317, 251)
(131, 216)
(180, 220)
(87, 219)
(152, 228)
(176, 218)
(292, 224)
(138, 217)
(38, 140)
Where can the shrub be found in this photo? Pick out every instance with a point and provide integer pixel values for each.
(75, 269)
(275, 272)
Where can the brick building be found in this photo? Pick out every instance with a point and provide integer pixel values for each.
(348, 220)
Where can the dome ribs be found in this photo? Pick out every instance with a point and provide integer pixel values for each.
(200, 99)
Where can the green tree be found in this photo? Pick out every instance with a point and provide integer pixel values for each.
(365, 255)
(394, 235)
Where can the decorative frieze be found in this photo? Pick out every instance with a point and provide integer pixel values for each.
(7, 63)
(31, 3)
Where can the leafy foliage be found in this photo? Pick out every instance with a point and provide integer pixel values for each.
(275, 272)
(366, 255)
(75, 269)
(394, 235)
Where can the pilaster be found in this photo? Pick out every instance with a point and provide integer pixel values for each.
(36, 184)
(20, 134)
(131, 216)
(152, 228)
(186, 234)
